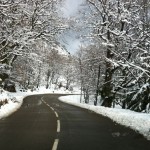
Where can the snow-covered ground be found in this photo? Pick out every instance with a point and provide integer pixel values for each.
(14, 101)
(136, 121)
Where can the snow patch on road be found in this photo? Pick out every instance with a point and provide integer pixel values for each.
(137, 121)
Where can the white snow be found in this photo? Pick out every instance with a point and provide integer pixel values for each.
(108, 44)
(12, 105)
(139, 122)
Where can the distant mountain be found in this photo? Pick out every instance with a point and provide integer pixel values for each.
(61, 49)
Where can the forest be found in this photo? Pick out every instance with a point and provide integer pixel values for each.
(112, 63)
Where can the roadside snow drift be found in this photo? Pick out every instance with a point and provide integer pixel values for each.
(14, 103)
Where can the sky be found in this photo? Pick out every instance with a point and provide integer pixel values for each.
(70, 9)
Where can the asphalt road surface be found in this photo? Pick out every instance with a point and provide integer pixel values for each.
(44, 123)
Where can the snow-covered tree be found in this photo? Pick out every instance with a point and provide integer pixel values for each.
(23, 24)
(121, 30)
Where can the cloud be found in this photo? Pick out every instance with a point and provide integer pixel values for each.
(73, 46)
(71, 7)
(70, 40)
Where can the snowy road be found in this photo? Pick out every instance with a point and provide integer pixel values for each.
(44, 123)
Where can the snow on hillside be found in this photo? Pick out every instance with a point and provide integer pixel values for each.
(139, 122)
(62, 51)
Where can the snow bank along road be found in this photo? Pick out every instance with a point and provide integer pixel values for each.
(44, 123)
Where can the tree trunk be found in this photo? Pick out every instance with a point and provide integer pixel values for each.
(97, 86)
(48, 76)
(39, 76)
(107, 87)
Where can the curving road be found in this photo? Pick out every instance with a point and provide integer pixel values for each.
(44, 123)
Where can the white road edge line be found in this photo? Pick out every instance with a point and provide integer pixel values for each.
(56, 114)
(52, 108)
(42, 98)
(55, 144)
(58, 125)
